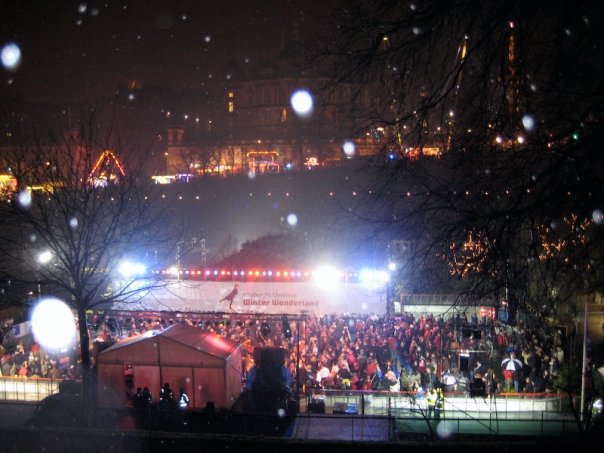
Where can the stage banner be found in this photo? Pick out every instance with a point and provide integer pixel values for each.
(260, 297)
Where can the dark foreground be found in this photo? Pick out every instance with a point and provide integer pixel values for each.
(90, 440)
(47, 429)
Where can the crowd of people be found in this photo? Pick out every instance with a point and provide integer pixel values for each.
(397, 352)
(26, 359)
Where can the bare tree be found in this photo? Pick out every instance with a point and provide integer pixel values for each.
(493, 113)
(83, 203)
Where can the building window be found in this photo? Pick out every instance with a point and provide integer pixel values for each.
(231, 101)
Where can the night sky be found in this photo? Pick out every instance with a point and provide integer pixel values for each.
(84, 51)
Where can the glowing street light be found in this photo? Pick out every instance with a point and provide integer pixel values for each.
(128, 269)
(326, 277)
(44, 257)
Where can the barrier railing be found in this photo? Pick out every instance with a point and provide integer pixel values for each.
(27, 389)
(384, 403)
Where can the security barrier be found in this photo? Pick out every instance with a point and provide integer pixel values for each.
(384, 403)
(27, 389)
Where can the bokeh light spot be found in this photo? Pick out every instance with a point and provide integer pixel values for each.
(302, 103)
(11, 56)
(24, 198)
(53, 324)
(349, 148)
(528, 122)
(292, 220)
(444, 429)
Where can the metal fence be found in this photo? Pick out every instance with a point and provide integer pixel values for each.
(512, 414)
(27, 389)
(384, 403)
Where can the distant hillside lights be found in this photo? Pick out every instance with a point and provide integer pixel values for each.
(8, 186)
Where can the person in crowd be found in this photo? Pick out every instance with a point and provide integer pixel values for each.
(54, 372)
(7, 365)
(528, 385)
(478, 387)
(24, 369)
(183, 399)
(429, 378)
(166, 397)
(147, 397)
(479, 368)
(431, 398)
(138, 399)
(323, 374)
(390, 381)
(19, 354)
(439, 408)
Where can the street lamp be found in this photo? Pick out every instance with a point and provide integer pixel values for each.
(44, 257)
(129, 269)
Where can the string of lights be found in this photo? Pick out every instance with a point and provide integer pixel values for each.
(282, 275)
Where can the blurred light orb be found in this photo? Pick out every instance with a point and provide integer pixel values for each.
(598, 216)
(53, 324)
(82, 7)
(45, 257)
(11, 56)
(528, 122)
(292, 219)
(73, 223)
(24, 198)
(302, 102)
(444, 429)
(349, 148)
(251, 174)
(281, 412)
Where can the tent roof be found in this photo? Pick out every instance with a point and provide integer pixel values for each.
(187, 335)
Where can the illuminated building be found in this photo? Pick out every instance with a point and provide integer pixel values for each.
(256, 129)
